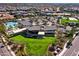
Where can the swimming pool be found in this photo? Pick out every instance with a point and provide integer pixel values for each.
(10, 24)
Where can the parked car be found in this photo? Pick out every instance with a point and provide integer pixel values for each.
(1, 45)
(77, 33)
(69, 44)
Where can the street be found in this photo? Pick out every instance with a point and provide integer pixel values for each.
(74, 49)
(4, 51)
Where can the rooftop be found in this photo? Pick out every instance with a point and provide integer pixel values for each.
(32, 28)
(29, 25)
(24, 22)
(6, 16)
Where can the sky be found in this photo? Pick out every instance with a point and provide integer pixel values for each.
(39, 1)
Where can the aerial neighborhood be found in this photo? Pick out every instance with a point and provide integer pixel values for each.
(39, 29)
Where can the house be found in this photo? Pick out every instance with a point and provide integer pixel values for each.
(49, 30)
(36, 30)
(6, 16)
(32, 31)
(24, 22)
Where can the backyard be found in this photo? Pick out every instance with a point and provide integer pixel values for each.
(34, 46)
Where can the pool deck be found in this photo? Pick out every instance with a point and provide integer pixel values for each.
(19, 30)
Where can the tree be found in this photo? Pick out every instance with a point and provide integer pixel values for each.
(60, 35)
(71, 33)
(2, 28)
(22, 50)
(58, 32)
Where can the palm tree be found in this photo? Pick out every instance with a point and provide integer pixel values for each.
(22, 50)
(71, 34)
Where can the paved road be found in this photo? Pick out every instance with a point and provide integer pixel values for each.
(4, 51)
(74, 49)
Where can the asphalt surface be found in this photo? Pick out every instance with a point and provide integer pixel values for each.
(4, 51)
(74, 49)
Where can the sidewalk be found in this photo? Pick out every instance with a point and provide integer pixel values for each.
(64, 49)
(13, 54)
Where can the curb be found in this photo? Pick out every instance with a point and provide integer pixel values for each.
(64, 49)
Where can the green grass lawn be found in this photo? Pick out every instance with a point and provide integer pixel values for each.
(34, 46)
(64, 21)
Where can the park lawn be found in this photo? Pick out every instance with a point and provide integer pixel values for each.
(35, 47)
(64, 21)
